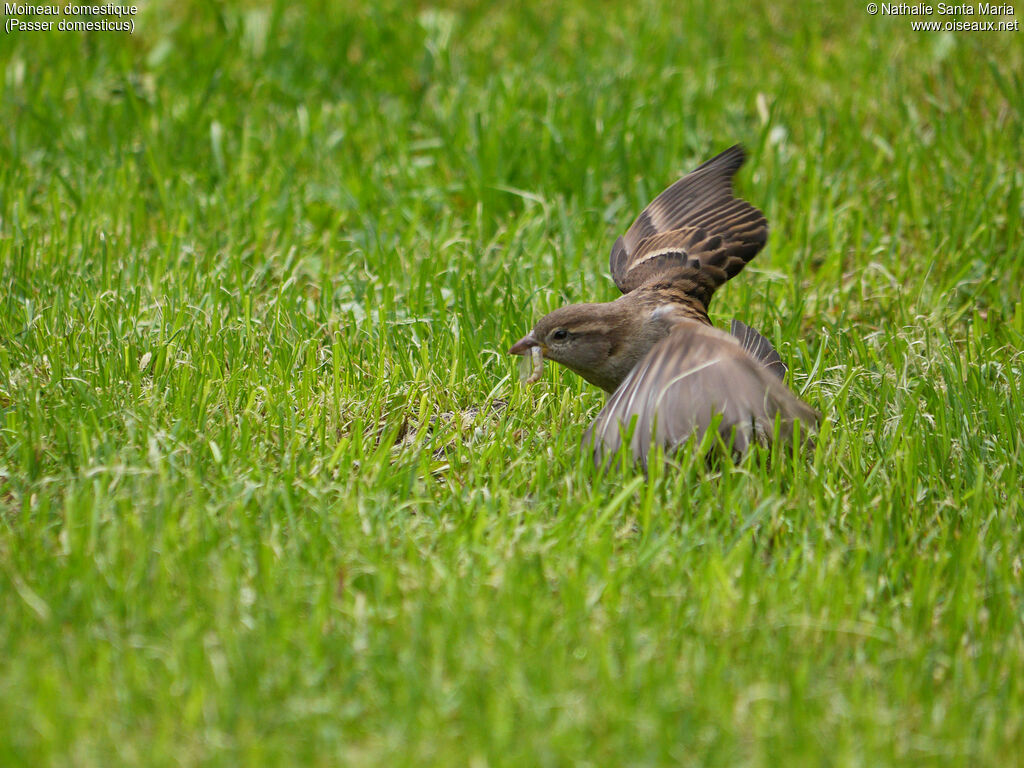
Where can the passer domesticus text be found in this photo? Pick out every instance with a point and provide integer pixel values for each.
(654, 349)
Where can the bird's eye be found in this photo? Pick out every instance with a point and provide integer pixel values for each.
(560, 335)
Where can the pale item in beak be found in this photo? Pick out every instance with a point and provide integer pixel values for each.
(532, 366)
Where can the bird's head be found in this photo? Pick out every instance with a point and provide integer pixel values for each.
(597, 341)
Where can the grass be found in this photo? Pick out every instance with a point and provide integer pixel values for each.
(272, 493)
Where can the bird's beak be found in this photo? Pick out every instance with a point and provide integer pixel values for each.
(524, 345)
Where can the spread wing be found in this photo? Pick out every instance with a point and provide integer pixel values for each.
(678, 388)
(759, 348)
(694, 225)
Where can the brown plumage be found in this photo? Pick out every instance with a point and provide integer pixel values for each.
(654, 349)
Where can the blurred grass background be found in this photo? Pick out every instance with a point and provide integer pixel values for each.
(271, 492)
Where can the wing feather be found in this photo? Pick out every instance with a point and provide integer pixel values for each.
(693, 375)
(759, 348)
(696, 223)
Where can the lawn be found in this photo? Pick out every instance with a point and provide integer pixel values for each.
(273, 493)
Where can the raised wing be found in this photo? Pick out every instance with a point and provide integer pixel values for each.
(678, 388)
(696, 224)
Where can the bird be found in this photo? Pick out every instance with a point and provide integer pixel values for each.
(669, 373)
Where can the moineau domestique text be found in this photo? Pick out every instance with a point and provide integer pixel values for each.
(12, 9)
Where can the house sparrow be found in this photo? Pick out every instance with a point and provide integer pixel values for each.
(654, 349)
